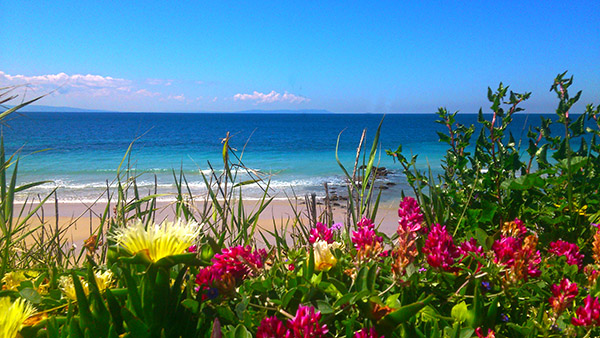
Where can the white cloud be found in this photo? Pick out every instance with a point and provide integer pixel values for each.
(273, 96)
(62, 79)
(147, 93)
(159, 82)
(180, 97)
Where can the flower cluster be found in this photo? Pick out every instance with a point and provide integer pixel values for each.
(410, 224)
(569, 250)
(562, 295)
(517, 251)
(588, 314)
(440, 249)
(596, 247)
(321, 232)
(230, 266)
(490, 333)
(364, 333)
(304, 324)
(410, 216)
(471, 247)
(365, 239)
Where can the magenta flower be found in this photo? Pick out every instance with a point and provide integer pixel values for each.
(272, 327)
(192, 248)
(364, 333)
(306, 323)
(505, 249)
(411, 218)
(470, 246)
(563, 295)
(322, 232)
(490, 333)
(365, 236)
(238, 262)
(440, 249)
(588, 314)
(518, 254)
(569, 250)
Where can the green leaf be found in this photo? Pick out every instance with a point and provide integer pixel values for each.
(460, 312)
(324, 307)
(136, 327)
(390, 322)
(31, 295)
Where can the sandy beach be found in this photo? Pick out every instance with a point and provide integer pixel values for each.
(81, 220)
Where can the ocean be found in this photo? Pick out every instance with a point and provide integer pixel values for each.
(82, 151)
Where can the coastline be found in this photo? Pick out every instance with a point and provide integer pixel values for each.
(81, 220)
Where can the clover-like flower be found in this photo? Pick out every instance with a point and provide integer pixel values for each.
(411, 218)
(365, 240)
(306, 323)
(588, 314)
(321, 232)
(562, 295)
(272, 327)
(158, 240)
(367, 333)
(230, 266)
(440, 249)
(13, 316)
(569, 250)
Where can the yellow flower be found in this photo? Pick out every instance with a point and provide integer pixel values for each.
(104, 280)
(13, 316)
(324, 259)
(159, 240)
(65, 283)
(13, 279)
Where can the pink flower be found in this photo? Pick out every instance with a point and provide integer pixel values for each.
(569, 250)
(440, 249)
(470, 246)
(522, 259)
(238, 262)
(563, 295)
(588, 314)
(411, 218)
(306, 323)
(192, 248)
(490, 333)
(364, 333)
(272, 327)
(322, 232)
(365, 236)
(505, 249)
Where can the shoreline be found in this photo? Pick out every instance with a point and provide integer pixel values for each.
(81, 220)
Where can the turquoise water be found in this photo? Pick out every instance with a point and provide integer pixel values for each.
(296, 150)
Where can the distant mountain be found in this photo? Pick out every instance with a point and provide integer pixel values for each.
(50, 109)
(32, 108)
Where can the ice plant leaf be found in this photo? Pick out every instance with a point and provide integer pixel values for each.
(391, 321)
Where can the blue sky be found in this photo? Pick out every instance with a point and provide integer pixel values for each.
(386, 56)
